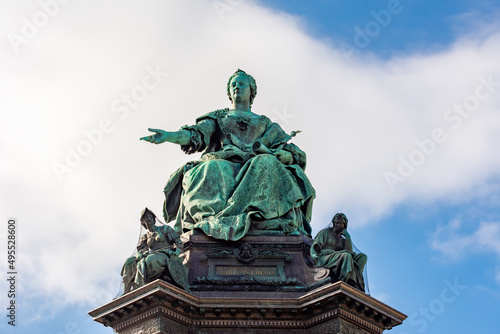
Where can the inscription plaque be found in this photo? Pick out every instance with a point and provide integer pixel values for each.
(246, 271)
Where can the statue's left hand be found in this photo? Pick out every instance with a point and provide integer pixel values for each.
(346, 234)
(152, 238)
(159, 137)
(284, 156)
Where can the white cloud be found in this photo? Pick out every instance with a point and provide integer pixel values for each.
(497, 275)
(455, 243)
(356, 119)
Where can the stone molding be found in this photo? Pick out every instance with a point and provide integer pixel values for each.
(337, 302)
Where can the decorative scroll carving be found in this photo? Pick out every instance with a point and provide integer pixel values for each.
(245, 253)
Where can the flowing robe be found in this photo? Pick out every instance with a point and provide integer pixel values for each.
(159, 258)
(238, 184)
(328, 252)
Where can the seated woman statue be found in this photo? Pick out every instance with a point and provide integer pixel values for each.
(155, 256)
(248, 178)
(332, 249)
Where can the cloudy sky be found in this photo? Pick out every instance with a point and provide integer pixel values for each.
(398, 104)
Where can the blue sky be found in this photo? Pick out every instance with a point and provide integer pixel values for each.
(387, 142)
(418, 26)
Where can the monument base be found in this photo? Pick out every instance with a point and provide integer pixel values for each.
(259, 284)
(161, 308)
(276, 264)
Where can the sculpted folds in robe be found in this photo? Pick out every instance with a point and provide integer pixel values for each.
(238, 184)
(330, 252)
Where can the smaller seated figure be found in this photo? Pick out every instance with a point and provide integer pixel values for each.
(332, 248)
(155, 257)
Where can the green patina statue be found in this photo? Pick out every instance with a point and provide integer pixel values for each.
(249, 177)
(332, 249)
(155, 257)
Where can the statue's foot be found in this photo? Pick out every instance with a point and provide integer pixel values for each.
(271, 224)
(287, 227)
(276, 224)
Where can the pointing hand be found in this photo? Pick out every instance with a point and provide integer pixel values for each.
(159, 137)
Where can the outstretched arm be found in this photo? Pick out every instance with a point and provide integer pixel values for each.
(181, 137)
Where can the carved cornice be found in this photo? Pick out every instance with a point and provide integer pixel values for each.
(160, 299)
(277, 241)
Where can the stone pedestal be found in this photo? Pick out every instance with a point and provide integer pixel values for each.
(277, 264)
(260, 284)
(161, 308)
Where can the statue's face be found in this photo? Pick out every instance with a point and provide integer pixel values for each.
(339, 224)
(239, 89)
(148, 220)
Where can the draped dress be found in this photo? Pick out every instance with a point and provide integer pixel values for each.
(330, 252)
(238, 185)
(159, 258)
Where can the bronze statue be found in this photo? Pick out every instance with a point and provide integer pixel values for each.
(249, 176)
(155, 257)
(332, 249)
